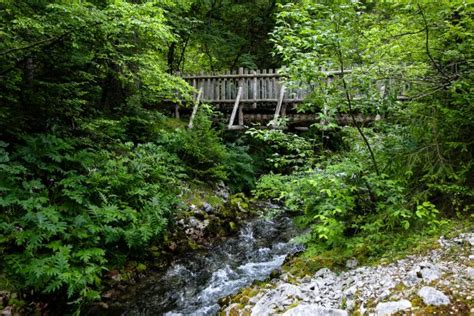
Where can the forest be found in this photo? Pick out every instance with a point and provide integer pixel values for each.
(97, 175)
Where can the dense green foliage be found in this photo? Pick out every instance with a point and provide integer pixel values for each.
(65, 209)
(403, 173)
(91, 174)
(217, 35)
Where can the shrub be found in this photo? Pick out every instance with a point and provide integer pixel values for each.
(200, 148)
(342, 199)
(67, 211)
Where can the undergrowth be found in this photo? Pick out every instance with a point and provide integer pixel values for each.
(73, 207)
(350, 211)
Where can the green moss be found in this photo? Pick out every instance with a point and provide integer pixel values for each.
(193, 245)
(303, 265)
(141, 267)
(233, 226)
(294, 304)
(215, 201)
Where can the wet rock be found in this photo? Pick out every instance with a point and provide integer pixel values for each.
(432, 296)
(389, 308)
(314, 310)
(222, 191)
(173, 246)
(233, 310)
(207, 207)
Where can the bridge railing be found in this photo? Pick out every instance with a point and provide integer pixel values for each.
(248, 89)
(257, 86)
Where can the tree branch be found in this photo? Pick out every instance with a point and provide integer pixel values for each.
(50, 40)
(427, 43)
(351, 111)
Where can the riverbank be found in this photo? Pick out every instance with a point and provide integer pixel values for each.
(439, 280)
(194, 281)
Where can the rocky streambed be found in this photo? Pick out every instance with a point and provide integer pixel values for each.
(194, 283)
(441, 281)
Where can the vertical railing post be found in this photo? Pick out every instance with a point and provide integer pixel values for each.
(254, 104)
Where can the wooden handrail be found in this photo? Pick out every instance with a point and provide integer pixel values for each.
(251, 75)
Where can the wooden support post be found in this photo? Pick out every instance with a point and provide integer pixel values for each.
(176, 111)
(236, 106)
(283, 110)
(254, 105)
(241, 115)
(279, 104)
(196, 106)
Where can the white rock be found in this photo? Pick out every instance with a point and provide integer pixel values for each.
(390, 308)
(432, 296)
(314, 310)
(470, 272)
(280, 296)
(324, 272)
(352, 263)
(429, 271)
(411, 278)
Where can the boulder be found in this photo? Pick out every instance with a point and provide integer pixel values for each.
(389, 308)
(432, 296)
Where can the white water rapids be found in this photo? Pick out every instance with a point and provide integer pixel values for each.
(194, 285)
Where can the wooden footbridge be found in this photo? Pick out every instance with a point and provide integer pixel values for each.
(260, 96)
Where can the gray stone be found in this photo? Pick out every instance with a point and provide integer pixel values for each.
(352, 263)
(324, 272)
(222, 191)
(432, 296)
(283, 295)
(314, 310)
(429, 271)
(207, 207)
(470, 272)
(390, 308)
(411, 278)
(470, 240)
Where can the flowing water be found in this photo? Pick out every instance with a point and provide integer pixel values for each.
(193, 285)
